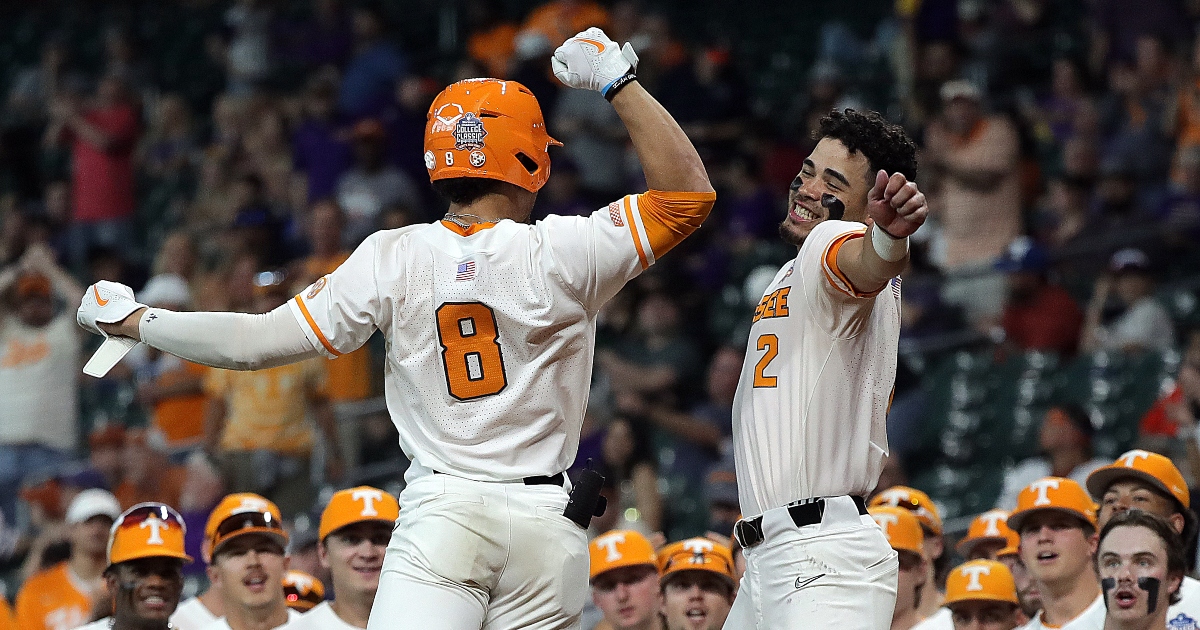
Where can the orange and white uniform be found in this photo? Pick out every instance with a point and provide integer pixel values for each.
(53, 599)
(266, 409)
(809, 422)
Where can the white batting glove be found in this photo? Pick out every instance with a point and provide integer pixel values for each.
(107, 303)
(592, 61)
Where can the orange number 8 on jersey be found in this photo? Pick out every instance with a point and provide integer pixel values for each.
(470, 350)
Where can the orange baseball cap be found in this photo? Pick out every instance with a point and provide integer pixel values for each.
(302, 591)
(238, 514)
(900, 526)
(147, 530)
(916, 502)
(357, 505)
(488, 128)
(1053, 493)
(980, 580)
(620, 548)
(1151, 468)
(695, 554)
(992, 526)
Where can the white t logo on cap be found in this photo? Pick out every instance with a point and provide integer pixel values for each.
(302, 582)
(1132, 456)
(155, 526)
(698, 549)
(368, 497)
(1041, 486)
(991, 518)
(885, 521)
(609, 543)
(894, 496)
(973, 572)
(250, 504)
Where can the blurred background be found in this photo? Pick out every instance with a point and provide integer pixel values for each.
(222, 155)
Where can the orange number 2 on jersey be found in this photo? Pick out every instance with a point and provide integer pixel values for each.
(470, 350)
(770, 343)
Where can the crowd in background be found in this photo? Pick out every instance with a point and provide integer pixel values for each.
(1060, 152)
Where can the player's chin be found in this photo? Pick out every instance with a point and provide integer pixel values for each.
(794, 232)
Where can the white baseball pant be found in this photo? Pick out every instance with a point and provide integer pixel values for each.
(840, 573)
(471, 554)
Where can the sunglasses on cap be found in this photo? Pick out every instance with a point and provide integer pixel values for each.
(250, 522)
(142, 512)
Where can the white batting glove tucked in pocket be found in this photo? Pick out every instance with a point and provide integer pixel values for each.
(592, 61)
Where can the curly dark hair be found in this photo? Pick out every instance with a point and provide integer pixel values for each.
(885, 145)
(1174, 544)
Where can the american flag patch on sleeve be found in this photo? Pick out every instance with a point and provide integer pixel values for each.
(465, 271)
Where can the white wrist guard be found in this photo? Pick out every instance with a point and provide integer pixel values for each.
(889, 248)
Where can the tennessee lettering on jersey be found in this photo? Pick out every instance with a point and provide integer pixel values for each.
(52, 600)
(487, 376)
(809, 415)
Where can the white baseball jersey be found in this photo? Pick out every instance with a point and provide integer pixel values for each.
(490, 332)
(222, 624)
(942, 619)
(191, 614)
(99, 624)
(1092, 618)
(809, 415)
(321, 617)
(1186, 614)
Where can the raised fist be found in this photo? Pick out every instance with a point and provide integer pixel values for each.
(896, 205)
(592, 61)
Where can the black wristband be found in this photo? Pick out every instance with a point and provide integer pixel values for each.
(616, 85)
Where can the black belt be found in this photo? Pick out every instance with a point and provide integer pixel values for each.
(748, 532)
(539, 480)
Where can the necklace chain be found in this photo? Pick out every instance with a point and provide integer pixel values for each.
(459, 219)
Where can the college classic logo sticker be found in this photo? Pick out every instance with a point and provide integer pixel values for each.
(469, 133)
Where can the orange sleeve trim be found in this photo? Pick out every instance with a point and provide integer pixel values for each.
(670, 216)
(313, 324)
(637, 241)
(831, 264)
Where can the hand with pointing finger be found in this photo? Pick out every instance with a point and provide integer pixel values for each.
(896, 205)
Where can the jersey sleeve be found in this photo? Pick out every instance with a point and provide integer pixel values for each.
(596, 255)
(340, 311)
(829, 294)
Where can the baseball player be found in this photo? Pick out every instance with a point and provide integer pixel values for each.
(243, 545)
(490, 325)
(1141, 565)
(904, 534)
(302, 591)
(1029, 598)
(145, 568)
(624, 574)
(934, 544)
(1056, 520)
(1150, 482)
(981, 595)
(354, 532)
(808, 418)
(987, 536)
(697, 584)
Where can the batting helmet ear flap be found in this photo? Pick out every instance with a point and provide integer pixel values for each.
(490, 129)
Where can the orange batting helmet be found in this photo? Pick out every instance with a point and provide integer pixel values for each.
(491, 129)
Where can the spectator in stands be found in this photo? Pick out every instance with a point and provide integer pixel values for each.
(247, 50)
(628, 466)
(372, 184)
(970, 163)
(1141, 322)
(66, 596)
(1137, 550)
(202, 492)
(724, 505)
(256, 421)
(169, 388)
(624, 577)
(244, 544)
(303, 592)
(982, 594)
(903, 533)
(1065, 441)
(1038, 314)
(149, 474)
(1176, 412)
(1056, 520)
(39, 354)
(106, 445)
(697, 584)
(659, 362)
(45, 536)
(103, 136)
(319, 147)
(561, 195)
(35, 87)
(491, 39)
(1133, 116)
(595, 140)
(933, 544)
(559, 19)
(325, 39)
(987, 536)
(1140, 480)
(375, 68)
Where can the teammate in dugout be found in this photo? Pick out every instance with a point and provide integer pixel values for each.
(809, 415)
(490, 325)
(624, 570)
(145, 568)
(1141, 565)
